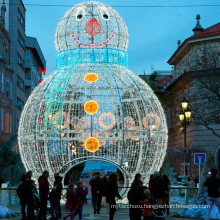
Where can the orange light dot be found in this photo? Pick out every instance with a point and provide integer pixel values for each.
(91, 77)
(91, 107)
(92, 144)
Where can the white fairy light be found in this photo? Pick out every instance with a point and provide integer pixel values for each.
(54, 126)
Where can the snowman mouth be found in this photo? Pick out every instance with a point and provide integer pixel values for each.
(92, 45)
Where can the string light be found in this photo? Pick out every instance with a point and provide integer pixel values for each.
(68, 120)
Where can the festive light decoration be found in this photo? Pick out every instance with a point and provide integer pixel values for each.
(151, 119)
(106, 120)
(93, 27)
(91, 107)
(129, 122)
(91, 77)
(70, 118)
(60, 121)
(92, 144)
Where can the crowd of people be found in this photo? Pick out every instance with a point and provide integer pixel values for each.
(143, 197)
(35, 202)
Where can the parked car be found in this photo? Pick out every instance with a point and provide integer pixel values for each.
(84, 175)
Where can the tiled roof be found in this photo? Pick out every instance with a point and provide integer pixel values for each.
(210, 31)
(164, 80)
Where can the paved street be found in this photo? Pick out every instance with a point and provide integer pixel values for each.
(105, 217)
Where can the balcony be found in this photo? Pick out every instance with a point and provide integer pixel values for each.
(27, 82)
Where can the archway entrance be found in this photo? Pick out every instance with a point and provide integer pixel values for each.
(83, 171)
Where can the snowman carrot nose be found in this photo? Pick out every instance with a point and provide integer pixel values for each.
(93, 27)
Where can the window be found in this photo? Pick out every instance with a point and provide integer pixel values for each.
(21, 40)
(28, 55)
(20, 61)
(20, 104)
(17, 124)
(7, 123)
(11, 90)
(21, 18)
(2, 87)
(7, 89)
(20, 82)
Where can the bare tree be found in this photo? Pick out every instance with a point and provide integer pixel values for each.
(204, 92)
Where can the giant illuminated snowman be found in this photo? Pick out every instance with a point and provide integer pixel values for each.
(93, 107)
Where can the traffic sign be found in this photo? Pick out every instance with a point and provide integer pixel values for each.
(186, 164)
(199, 158)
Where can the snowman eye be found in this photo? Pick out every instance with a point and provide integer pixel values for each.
(104, 14)
(79, 17)
(80, 14)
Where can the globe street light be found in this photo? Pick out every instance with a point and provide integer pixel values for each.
(184, 116)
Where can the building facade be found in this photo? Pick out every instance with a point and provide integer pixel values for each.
(34, 60)
(6, 79)
(190, 60)
(25, 59)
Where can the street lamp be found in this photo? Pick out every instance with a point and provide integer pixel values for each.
(184, 103)
(184, 116)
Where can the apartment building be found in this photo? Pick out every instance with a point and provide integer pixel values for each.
(6, 81)
(25, 59)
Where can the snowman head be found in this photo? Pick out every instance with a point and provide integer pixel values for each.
(91, 25)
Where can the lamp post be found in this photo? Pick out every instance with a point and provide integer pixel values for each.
(184, 116)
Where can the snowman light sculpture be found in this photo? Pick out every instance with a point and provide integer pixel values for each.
(93, 107)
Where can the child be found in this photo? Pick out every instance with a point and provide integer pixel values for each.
(35, 201)
(54, 198)
(80, 196)
(70, 202)
(147, 209)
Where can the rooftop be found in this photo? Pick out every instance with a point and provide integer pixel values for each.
(208, 34)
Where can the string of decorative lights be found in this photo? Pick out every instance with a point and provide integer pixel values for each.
(93, 106)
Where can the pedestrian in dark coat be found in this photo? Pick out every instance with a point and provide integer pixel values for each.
(58, 182)
(104, 191)
(54, 198)
(112, 192)
(151, 182)
(137, 180)
(25, 193)
(160, 188)
(96, 190)
(136, 198)
(43, 192)
(166, 198)
(213, 184)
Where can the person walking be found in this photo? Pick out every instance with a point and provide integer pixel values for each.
(213, 184)
(54, 198)
(137, 180)
(43, 192)
(58, 182)
(166, 198)
(112, 192)
(80, 197)
(25, 194)
(96, 190)
(136, 197)
(159, 188)
(70, 202)
(104, 191)
(151, 182)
